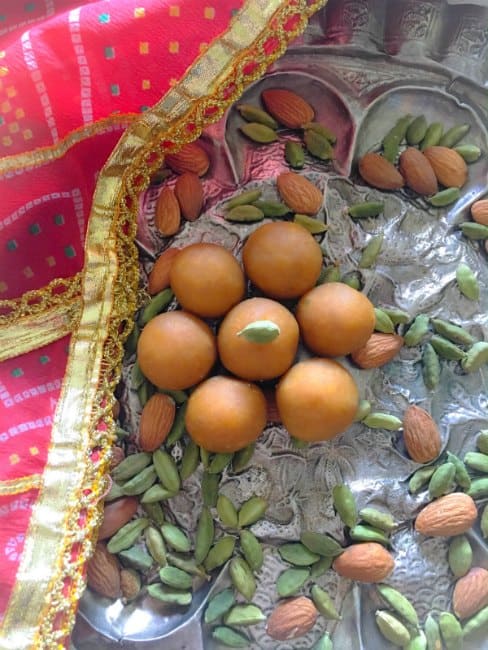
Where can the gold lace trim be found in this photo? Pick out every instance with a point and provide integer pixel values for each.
(62, 530)
(19, 485)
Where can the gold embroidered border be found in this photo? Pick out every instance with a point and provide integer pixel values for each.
(67, 512)
(19, 485)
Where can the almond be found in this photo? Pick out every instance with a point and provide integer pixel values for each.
(449, 168)
(379, 349)
(470, 593)
(299, 194)
(130, 584)
(189, 192)
(479, 211)
(379, 172)
(117, 457)
(421, 435)
(157, 418)
(451, 515)
(367, 562)
(292, 618)
(116, 515)
(103, 572)
(417, 172)
(168, 213)
(158, 279)
(287, 107)
(190, 158)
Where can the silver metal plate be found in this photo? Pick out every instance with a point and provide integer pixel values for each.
(362, 65)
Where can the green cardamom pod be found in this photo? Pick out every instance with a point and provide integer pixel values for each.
(378, 519)
(364, 409)
(190, 460)
(244, 615)
(254, 114)
(432, 136)
(392, 629)
(418, 642)
(469, 152)
(131, 466)
(218, 463)
(127, 536)
(178, 428)
(432, 633)
(259, 133)
(260, 331)
(245, 214)
(324, 603)
(136, 558)
(383, 322)
(399, 603)
(294, 154)
(460, 556)
(431, 367)
(345, 504)
(140, 482)
(397, 316)
(472, 230)
(156, 306)
(230, 638)
(155, 512)
(136, 376)
(204, 535)
(445, 197)
(365, 533)
(371, 252)
(453, 135)
(383, 421)
(353, 280)
(176, 578)
(416, 130)
(313, 225)
(244, 198)
(394, 137)
(461, 476)
(322, 130)
(169, 595)
(297, 554)
(145, 392)
(451, 631)
(477, 461)
(175, 537)
(210, 489)
(476, 623)
(242, 458)
(417, 330)
(442, 480)
(420, 478)
(319, 568)
(321, 544)
(318, 145)
(331, 274)
(227, 511)
(220, 552)
(324, 643)
(251, 549)
(131, 343)
(476, 357)
(186, 564)
(252, 510)
(484, 522)
(272, 208)
(446, 349)
(155, 545)
(452, 332)
(166, 470)
(478, 489)
(115, 492)
(178, 396)
(366, 209)
(291, 581)
(219, 605)
(242, 577)
(482, 441)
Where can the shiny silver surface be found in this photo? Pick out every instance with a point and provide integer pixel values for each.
(361, 65)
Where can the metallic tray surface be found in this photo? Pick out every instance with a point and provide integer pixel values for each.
(362, 65)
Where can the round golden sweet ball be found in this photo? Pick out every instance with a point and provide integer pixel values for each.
(317, 399)
(225, 414)
(258, 361)
(207, 280)
(176, 350)
(335, 319)
(282, 259)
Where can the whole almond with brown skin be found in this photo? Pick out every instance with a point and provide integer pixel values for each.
(103, 572)
(379, 172)
(379, 349)
(117, 457)
(190, 158)
(130, 584)
(287, 107)
(157, 418)
(447, 516)
(368, 562)
(168, 213)
(189, 192)
(449, 167)
(292, 618)
(470, 593)
(421, 435)
(417, 172)
(116, 514)
(479, 211)
(299, 194)
(158, 278)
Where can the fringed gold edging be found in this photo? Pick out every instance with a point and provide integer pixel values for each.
(63, 526)
(20, 485)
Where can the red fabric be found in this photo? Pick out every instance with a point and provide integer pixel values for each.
(65, 65)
